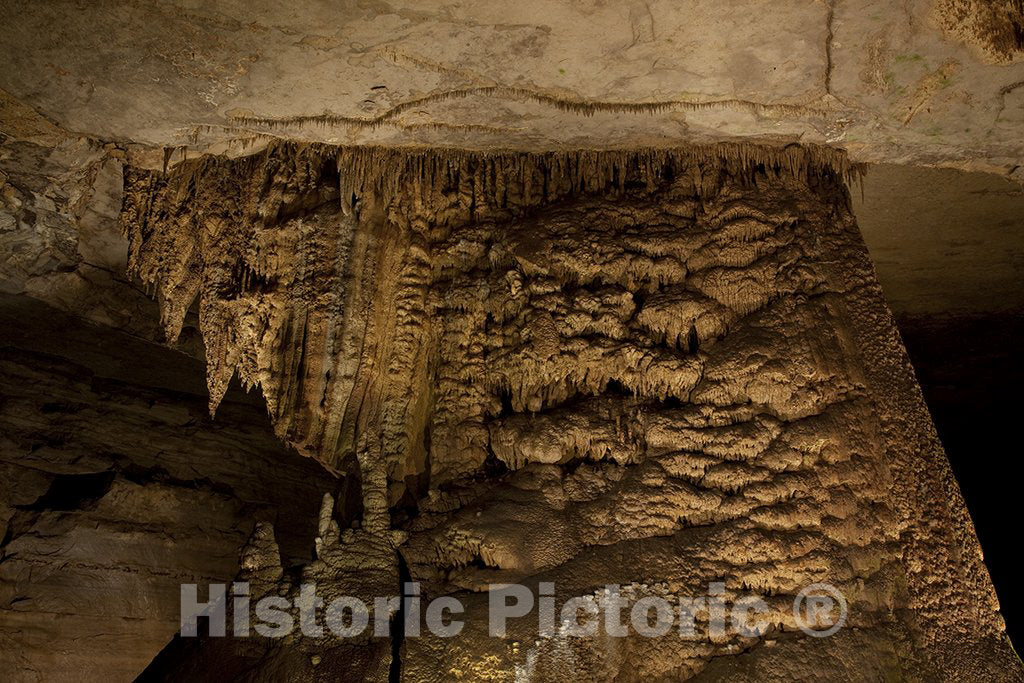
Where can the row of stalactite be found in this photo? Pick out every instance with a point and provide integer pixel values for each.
(312, 266)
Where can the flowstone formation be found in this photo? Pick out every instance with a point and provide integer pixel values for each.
(660, 369)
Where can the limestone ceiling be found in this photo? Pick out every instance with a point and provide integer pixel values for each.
(884, 80)
(944, 242)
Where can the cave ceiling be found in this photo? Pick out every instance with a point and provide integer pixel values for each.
(921, 82)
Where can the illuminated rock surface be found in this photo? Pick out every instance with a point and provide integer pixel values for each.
(561, 292)
(927, 82)
(650, 369)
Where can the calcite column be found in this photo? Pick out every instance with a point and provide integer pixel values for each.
(668, 370)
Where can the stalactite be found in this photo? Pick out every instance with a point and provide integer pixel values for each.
(562, 360)
(316, 269)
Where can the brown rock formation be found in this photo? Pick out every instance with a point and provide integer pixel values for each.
(997, 28)
(656, 369)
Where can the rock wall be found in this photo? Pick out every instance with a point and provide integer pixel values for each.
(116, 487)
(60, 197)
